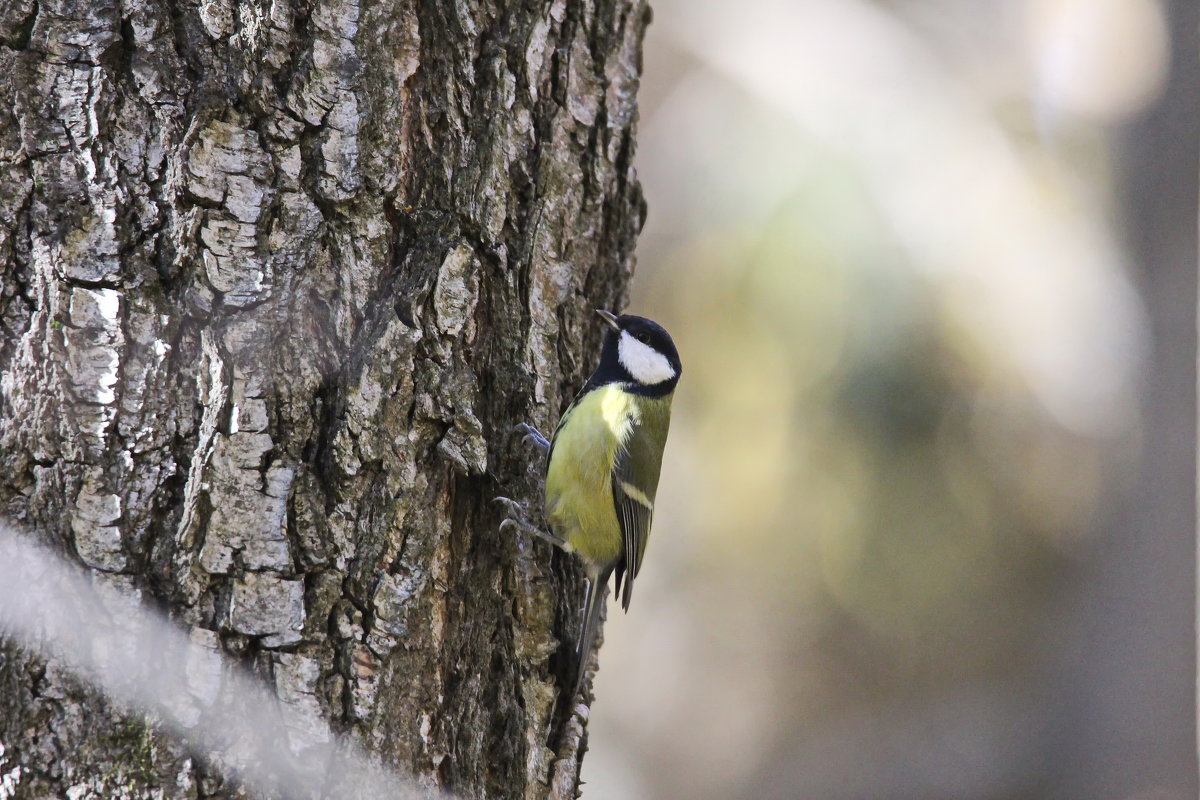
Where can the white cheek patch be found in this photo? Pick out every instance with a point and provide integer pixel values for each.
(643, 362)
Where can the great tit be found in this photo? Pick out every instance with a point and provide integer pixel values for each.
(604, 462)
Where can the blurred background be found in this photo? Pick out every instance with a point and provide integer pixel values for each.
(926, 527)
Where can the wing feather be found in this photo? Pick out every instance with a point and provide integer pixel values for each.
(635, 517)
(634, 485)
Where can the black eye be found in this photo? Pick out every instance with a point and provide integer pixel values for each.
(642, 337)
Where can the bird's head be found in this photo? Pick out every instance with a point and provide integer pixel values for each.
(639, 351)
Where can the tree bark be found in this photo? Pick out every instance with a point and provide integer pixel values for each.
(276, 280)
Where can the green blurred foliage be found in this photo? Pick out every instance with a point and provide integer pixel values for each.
(870, 510)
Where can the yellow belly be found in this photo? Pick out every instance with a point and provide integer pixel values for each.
(579, 500)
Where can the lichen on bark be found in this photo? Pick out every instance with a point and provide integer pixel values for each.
(276, 280)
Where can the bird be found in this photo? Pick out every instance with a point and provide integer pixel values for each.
(603, 464)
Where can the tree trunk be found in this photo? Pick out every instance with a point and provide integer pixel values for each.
(276, 280)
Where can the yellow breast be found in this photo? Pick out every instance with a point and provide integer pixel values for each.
(579, 501)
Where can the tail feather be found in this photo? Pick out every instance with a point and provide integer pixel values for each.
(593, 603)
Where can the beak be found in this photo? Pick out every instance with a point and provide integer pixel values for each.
(610, 318)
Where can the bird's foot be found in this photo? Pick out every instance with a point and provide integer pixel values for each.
(514, 508)
(532, 435)
(516, 520)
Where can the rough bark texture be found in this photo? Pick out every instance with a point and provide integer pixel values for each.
(276, 279)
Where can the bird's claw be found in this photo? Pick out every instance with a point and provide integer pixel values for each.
(517, 522)
(512, 505)
(516, 514)
(532, 435)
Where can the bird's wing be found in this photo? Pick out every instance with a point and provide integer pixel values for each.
(634, 485)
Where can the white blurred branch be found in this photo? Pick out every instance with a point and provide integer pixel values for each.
(88, 625)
